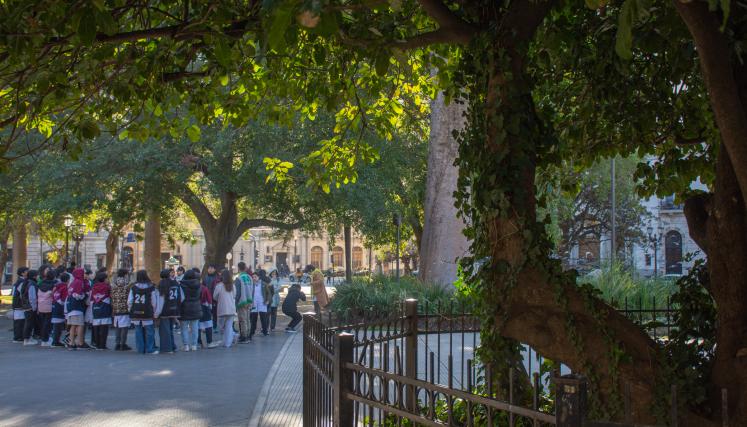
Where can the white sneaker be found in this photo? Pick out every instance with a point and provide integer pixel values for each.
(186, 348)
(155, 352)
(30, 341)
(212, 345)
(46, 344)
(194, 348)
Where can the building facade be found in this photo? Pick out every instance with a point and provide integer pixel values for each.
(666, 250)
(260, 247)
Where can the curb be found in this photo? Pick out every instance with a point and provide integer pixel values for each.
(265, 391)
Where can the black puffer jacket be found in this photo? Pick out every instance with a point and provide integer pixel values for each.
(191, 309)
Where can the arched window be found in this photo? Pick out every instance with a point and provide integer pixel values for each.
(127, 258)
(317, 255)
(337, 256)
(357, 258)
(673, 252)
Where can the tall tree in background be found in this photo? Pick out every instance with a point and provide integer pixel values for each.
(579, 203)
(443, 240)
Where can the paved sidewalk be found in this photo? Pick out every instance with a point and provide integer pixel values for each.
(281, 401)
(56, 387)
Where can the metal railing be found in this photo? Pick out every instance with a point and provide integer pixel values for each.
(403, 368)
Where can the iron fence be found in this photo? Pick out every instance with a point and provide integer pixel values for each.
(416, 365)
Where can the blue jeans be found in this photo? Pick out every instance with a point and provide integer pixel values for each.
(190, 332)
(166, 335)
(145, 344)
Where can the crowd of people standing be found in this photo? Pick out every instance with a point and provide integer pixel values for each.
(54, 307)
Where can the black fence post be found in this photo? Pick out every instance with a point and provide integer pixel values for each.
(343, 380)
(570, 403)
(411, 352)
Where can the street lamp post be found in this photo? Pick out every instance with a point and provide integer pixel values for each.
(295, 253)
(653, 239)
(398, 223)
(229, 257)
(79, 231)
(68, 221)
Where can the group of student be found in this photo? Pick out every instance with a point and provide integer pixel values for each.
(55, 307)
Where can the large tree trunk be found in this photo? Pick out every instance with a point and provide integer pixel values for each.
(19, 246)
(217, 245)
(442, 238)
(4, 235)
(152, 250)
(717, 221)
(531, 300)
(718, 224)
(112, 241)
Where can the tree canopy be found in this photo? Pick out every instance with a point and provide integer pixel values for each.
(543, 82)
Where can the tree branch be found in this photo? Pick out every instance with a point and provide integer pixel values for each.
(445, 18)
(248, 223)
(451, 29)
(198, 208)
(523, 18)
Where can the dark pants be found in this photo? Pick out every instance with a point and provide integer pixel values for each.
(29, 324)
(208, 337)
(99, 334)
(253, 322)
(57, 329)
(36, 333)
(45, 320)
(166, 335)
(295, 318)
(273, 313)
(120, 338)
(18, 329)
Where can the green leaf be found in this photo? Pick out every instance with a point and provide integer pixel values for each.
(382, 62)
(726, 9)
(87, 27)
(630, 12)
(222, 53)
(194, 133)
(106, 22)
(624, 41)
(280, 22)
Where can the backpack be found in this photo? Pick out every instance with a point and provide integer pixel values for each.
(142, 307)
(44, 301)
(20, 302)
(171, 301)
(101, 310)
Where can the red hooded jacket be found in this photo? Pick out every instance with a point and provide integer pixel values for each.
(79, 286)
(100, 292)
(60, 293)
